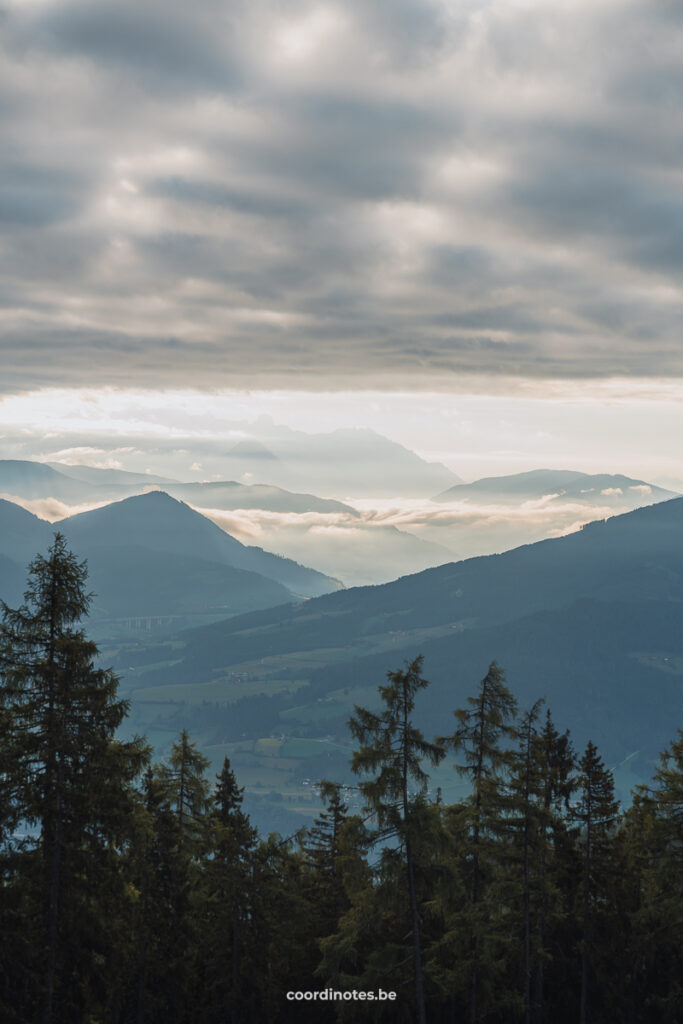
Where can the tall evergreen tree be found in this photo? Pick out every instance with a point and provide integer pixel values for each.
(653, 834)
(185, 789)
(556, 863)
(482, 727)
(226, 933)
(323, 851)
(596, 812)
(525, 823)
(393, 750)
(68, 783)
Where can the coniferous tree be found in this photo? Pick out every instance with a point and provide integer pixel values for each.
(181, 822)
(524, 813)
(478, 821)
(556, 866)
(157, 868)
(596, 813)
(186, 789)
(68, 785)
(226, 934)
(394, 750)
(280, 950)
(653, 837)
(351, 951)
(323, 851)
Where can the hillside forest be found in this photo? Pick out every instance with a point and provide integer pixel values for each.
(140, 892)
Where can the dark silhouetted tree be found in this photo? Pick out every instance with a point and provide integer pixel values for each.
(393, 751)
(68, 785)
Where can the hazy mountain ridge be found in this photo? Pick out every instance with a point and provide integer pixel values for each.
(160, 523)
(348, 461)
(329, 534)
(228, 494)
(566, 485)
(584, 620)
(374, 542)
(155, 557)
(37, 480)
(602, 560)
(82, 484)
(99, 475)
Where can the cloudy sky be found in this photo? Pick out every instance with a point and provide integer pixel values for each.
(474, 202)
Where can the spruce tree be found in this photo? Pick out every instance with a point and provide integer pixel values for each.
(653, 836)
(393, 750)
(524, 824)
(596, 813)
(177, 796)
(478, 822)
(68, 784)
(225, 906)
(556, 866)
(323, 851)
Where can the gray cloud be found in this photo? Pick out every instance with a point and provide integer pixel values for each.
(191, 49)
(308, 194)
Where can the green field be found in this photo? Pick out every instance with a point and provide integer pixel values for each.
(224, 690)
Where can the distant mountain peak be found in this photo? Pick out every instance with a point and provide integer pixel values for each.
(137, 508)
(251, 449)
(159, 522)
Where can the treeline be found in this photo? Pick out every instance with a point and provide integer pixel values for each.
(134, 892)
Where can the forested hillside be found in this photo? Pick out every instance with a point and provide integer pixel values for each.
(135, 891)
(590, 621)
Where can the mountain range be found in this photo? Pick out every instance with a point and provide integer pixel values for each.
(80, 485)
(592, 622)
(329, 534)
(372, 543)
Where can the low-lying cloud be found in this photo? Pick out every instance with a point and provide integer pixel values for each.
(395, 539)
(384, 539)
(51, 509)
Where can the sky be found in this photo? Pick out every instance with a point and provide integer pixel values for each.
(458, 223)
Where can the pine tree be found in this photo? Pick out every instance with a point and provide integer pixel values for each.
(394, 750)
(68, 785)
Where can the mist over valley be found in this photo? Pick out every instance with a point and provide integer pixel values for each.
(292, 635)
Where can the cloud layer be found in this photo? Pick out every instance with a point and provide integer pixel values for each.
(387, 539)
(323, 194)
